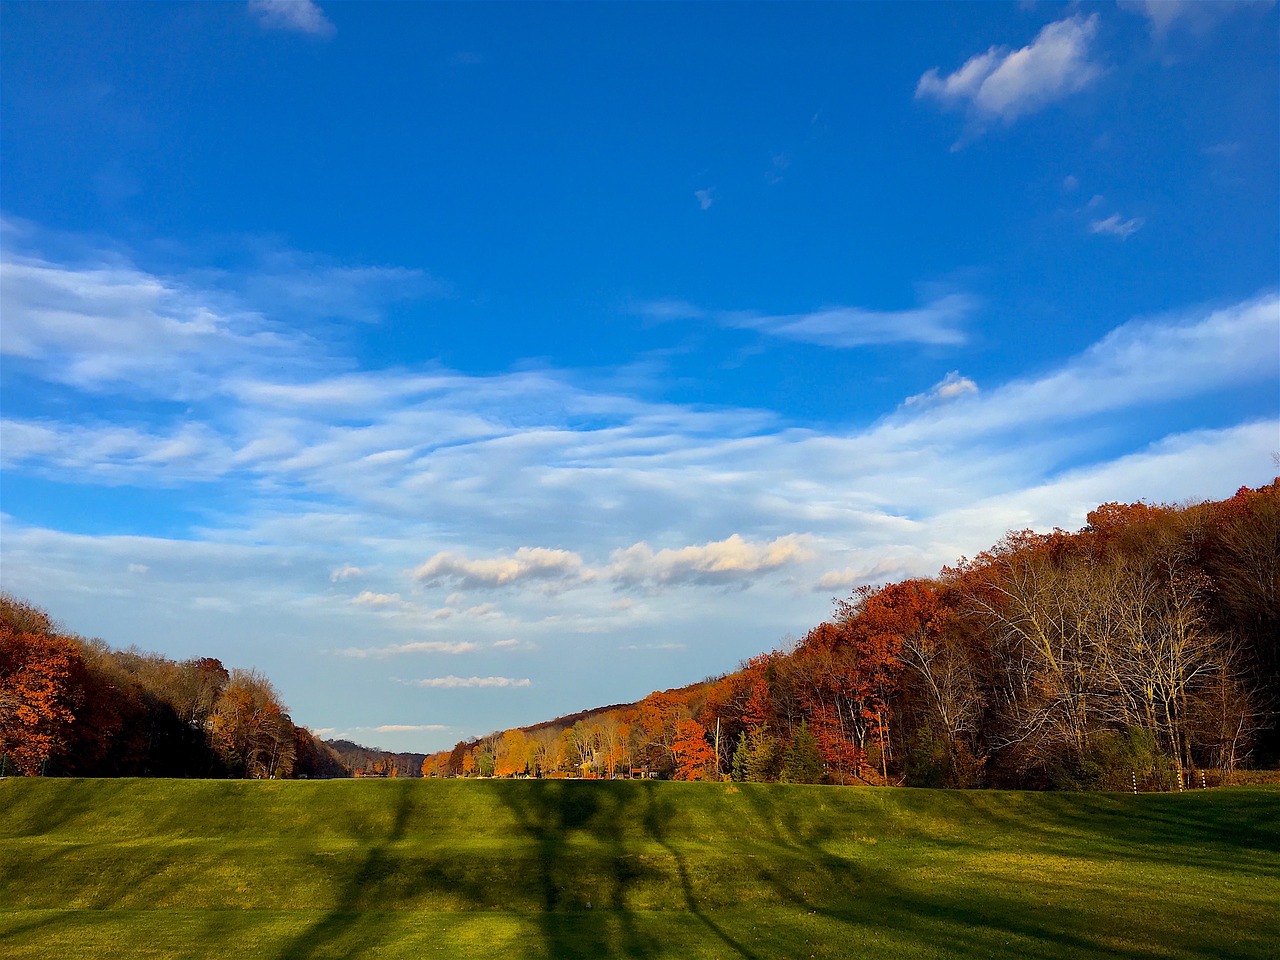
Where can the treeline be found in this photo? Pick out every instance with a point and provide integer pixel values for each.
(362, 761)
(73, 706)
(1145, 646)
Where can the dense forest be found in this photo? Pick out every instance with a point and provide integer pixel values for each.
(74, 706)
(1143, 647)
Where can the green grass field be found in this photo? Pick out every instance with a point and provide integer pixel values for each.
(496, 869)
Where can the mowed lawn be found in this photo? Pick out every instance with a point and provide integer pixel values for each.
(496, 869)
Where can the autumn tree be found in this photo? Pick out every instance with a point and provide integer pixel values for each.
(694, 757)
(41, 688)
(250, 728)
(657, 722)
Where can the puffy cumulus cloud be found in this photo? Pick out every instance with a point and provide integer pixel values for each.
(1007, 84)
(457, 683)
(453, 647)
(344, 572)
(527, 563)
(729, 561)
(950, 387)
(295, 16)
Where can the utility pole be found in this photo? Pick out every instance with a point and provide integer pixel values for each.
(718, 774)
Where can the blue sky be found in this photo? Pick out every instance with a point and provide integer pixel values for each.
(461, 366)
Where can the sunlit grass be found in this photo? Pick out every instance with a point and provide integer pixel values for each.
(139, 868)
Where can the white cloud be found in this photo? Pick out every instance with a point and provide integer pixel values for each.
(138, 568)
(453, 647)
(940, 322)
(1194, 16)
(298, 16)
(461, 469)
(455, 683)
(527, 563)
(950, 387)
(1115, 226)
(705, 198)
(113, 325)
(513, 644)
(408, 727)
(732, 560)
(107, 324)
(367, 598)
(1007, 84)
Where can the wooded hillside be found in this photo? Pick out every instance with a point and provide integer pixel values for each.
(1142, 647)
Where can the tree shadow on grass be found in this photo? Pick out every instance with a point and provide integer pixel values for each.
(990, 915)
(570, 871)
(585, 873)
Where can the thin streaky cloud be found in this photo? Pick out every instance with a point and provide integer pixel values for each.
(453, 647)
(1116, 226)
(940, 322)
(458, 683)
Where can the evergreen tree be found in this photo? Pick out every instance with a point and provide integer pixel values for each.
(741, 756)
(764, 761)
(803, 760)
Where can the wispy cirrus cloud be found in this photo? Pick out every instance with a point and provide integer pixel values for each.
(1194, 16)
(452, 647)
(101, 322)
(361, 478)
(1116, 226)
(1004, 84)
(462, 683)
(940, 321)
(295, 16)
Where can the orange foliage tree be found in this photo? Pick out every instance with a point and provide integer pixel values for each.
(41, 688)
(694, 758)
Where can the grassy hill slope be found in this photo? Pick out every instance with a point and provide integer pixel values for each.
(562, 869)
